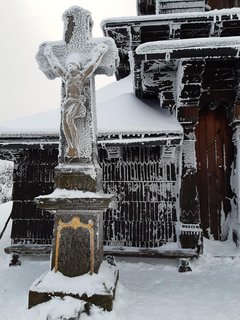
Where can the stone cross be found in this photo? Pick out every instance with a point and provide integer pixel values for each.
(78, 201)
(76, 60)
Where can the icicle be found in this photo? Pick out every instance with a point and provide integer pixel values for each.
(167, 56)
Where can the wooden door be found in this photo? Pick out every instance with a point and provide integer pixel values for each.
(214, 158)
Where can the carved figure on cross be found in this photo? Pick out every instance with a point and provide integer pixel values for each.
(74, 101)
(76, 59)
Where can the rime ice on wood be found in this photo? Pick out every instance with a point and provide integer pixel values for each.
(6, 170)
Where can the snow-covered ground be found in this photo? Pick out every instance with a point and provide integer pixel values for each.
(148, 289)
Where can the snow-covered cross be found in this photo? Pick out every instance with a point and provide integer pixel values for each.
(78, 201)
(76, 59)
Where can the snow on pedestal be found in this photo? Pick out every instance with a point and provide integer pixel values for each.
(98, 288)
(78, 202)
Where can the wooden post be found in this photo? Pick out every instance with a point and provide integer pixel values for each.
(235, 181)
(190, 233)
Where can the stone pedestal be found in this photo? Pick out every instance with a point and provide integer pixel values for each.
(77, 250)
(78, 230)
(84, 177)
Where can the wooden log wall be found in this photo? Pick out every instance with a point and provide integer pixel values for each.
(144, 212)
(33, 176)
(221, 4)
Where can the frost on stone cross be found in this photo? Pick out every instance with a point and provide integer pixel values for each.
(76, 59)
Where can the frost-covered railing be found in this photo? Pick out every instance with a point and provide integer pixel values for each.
(6, 182)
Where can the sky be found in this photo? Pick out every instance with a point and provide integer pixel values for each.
(24, 24)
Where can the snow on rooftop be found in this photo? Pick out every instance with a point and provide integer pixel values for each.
(122, 112)
(118, 111)
(40, 123)
(162, 46)
(214, 14)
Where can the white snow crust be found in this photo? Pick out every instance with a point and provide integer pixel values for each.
(100, 283)
(214, 14)
(148, 289)
(118, 111)
(57, 309)
(162, 46)
(73, 194)
(39, 123)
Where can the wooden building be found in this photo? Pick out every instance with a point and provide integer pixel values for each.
(177, 179)
(190, 61)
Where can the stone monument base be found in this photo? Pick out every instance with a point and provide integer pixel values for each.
(98, 289)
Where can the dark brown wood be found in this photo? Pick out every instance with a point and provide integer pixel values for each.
(189, 202)
(141, 216)
(34, 159)
(236, 112)
(202, 174)
(144, 211)
(116, 251)
(151, 253)
(221, 4)
(146, 7)
(214, 158)
(29, 249)
(188, 114)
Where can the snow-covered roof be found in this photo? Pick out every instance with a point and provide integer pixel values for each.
(213, 15)
(119, 111)
(166, 46)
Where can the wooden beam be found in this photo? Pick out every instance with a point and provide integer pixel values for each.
(115, 251)
(151, 252)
